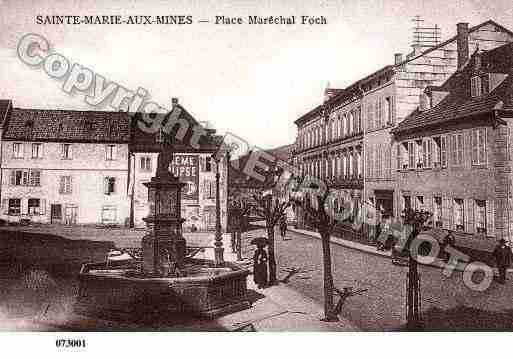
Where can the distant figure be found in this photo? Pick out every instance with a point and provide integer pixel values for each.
(194, 228)
(283, 227)
(260, 266)
(502, 255)
(448, 241)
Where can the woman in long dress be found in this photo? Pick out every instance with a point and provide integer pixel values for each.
(260, 266)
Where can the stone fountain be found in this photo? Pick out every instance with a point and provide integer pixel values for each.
(164, 283)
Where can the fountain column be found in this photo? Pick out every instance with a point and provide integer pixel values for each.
(164, 246)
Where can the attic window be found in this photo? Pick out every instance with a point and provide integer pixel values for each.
(485, 84)
(475, 86)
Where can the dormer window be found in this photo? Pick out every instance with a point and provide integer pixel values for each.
(485, 84)
(475, 86)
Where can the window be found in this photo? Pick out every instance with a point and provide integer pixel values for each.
(480, 216)
(388, 110)
(145, 163)
(485, 84)
(17, 150)
(377, 113)
(109, 185)
(25, 178)
(370, 116)
(479, 146)
(406, 202)
(456, 142)
(209, 189)
(34, 206)
(37, 150)
(419, 203)
(14, 206)
(110, 152)
(411, 154)
(399, 156)
(66, 151)
(208, 164)
(459, 219)
(427, 152)
(475, 86)
(443, 151)
(437, 212)
(109, 214)
(65, 185)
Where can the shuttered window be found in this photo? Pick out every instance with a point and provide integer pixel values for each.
(459, 214)
(478, 145)
(443, 151)
(411, 154)
(65, 185)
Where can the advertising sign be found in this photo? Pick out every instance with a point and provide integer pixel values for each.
(186, 167)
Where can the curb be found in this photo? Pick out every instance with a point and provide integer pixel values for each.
(437, 263)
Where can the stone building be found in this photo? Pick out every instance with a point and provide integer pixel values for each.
(394, 93)
(194, 165)
(384, 98)
(88, 167)
(454, 150)
(60, 166)
(329, 145)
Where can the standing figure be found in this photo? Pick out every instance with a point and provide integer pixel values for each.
(283, 227)
(448, 241)
(260, 266)
(502, 255)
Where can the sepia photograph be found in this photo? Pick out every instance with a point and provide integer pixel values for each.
(255, 166)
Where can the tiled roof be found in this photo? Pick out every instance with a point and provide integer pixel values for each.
(67, 125)
(459, 103)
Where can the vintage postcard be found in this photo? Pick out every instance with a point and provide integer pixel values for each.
(247, 166)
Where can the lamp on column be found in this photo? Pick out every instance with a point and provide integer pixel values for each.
(218, 244)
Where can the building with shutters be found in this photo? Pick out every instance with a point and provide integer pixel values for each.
(385, 97)
(194, 165)
(454, 151)
(89, 167)
(62, 166)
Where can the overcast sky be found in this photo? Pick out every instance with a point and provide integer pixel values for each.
(248, 79)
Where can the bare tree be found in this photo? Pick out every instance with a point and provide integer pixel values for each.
(271, 210)
(321, 217)
(239, 211)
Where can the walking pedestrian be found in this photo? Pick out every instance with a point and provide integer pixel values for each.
(283, 227)
(502, 255)
(260, 266)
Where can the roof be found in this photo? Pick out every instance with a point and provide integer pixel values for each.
(472, 29)
(5, 108)
(345, 94)
(458, 103)
(144, 141)
(67, 125)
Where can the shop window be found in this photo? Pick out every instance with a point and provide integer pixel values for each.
(14, 206)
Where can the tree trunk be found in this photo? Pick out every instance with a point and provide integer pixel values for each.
(238, 237)
(272, 258)
(329, 314)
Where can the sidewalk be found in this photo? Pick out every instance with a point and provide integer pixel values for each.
(435, 262)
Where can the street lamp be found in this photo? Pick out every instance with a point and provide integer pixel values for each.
(218, 243)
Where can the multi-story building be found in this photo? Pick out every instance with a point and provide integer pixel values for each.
(329, 145)
(80, 167)
(64, 166)
(384, 99)
(394, 94)
(454, 152)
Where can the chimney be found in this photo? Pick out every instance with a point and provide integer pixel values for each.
(462, 44)
(398, 58)
(174, 102)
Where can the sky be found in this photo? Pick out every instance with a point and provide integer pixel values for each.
(251, 80)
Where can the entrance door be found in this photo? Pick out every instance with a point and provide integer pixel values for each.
(55, 213)
(70, 214)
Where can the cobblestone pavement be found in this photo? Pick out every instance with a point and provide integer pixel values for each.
(447, 304)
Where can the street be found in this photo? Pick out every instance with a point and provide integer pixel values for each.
(447, 304)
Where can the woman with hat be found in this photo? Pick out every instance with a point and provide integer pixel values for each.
(260, 262)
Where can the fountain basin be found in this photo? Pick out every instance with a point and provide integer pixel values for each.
(122, 292)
